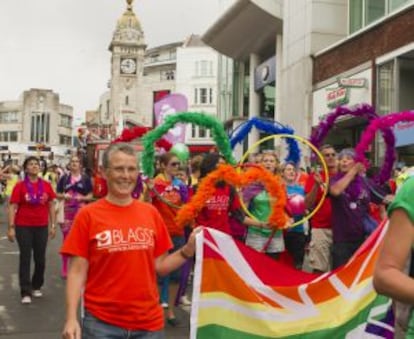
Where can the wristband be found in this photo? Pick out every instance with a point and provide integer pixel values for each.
(185, 255)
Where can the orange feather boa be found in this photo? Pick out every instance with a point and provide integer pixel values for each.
(229, 174)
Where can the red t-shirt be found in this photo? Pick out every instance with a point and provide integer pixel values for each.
(28, 214)
(215, 214)
(121, 244)
(322, 218)
(170, 193)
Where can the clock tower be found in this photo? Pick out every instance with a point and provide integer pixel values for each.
(127, 48)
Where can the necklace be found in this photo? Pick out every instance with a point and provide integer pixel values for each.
(34, 198)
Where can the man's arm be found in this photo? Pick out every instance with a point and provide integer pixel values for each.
(77, 274)
(310, 198)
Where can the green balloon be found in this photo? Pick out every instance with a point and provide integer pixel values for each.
(181, 151)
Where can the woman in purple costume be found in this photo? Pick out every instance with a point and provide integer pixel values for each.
(75, 189)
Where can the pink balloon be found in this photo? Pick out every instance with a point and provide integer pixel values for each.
(295, 205)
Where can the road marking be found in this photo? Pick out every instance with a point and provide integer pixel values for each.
(11, 252)
(3, 238)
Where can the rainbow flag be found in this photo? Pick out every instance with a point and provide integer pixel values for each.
(240, 293)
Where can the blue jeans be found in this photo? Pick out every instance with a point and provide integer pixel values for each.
(93, 328)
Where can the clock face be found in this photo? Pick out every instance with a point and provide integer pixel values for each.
(265, 73)
(128, 66)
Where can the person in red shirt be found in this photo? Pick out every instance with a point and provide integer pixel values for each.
(321, 225)
(169, 193)
(31, 211)
(117, 246)
(224, 205)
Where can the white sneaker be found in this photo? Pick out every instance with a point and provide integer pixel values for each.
(26, 300)
(185, 301)
(37, 293)
(164, 305)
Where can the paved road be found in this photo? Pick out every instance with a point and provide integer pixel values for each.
(43, 319)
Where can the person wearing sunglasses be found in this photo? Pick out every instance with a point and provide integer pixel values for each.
(168, 194)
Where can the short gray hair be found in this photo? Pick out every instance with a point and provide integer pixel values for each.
(347, 152)
(118, 147)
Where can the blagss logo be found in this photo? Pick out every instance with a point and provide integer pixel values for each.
(125, 239)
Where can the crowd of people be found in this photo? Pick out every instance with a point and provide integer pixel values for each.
(135, 241)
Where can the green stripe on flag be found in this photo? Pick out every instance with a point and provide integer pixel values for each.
(216, 331)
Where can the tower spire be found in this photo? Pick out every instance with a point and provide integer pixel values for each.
(129, 2)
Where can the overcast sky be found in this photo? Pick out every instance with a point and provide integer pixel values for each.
(63, 44)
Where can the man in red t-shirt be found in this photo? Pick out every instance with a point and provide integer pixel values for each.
(117, 246)
(321, 243)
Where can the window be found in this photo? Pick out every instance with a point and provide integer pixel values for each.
(127, 100)
(65, 140)
(203, 68)
(8, 136)
(203, 96)
(365, 12)
(9, 117)
(202, 132)
(66, 121)
(154, 57)
(199, 132)
(355, 15)
(394, 4)
(107, 109)
(374, 9)
(167, 75)
(386, 88)
(39, 129)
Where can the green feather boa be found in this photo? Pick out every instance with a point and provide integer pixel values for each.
(200, 119)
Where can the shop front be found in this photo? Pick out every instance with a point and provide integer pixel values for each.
(346, 89)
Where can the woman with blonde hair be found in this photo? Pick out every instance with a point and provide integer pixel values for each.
(257, 199)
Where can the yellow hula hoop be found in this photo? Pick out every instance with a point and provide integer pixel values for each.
(314, 149)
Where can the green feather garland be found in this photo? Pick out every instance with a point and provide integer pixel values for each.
(219, 136)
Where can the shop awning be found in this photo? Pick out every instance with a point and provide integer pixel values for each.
(249, 26)
(404, 134)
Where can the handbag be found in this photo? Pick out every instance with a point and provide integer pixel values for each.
(369, 224)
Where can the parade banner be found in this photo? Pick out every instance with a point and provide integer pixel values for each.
(241, 293)
(170, 105)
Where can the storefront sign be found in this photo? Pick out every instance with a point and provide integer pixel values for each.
(337, 96)
(404, 133)
(353, 83)
(265, 74)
